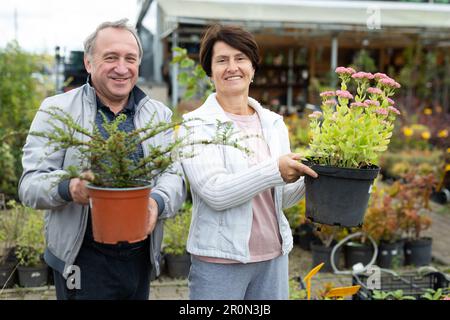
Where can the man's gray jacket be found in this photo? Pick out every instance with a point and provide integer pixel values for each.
(65, 221)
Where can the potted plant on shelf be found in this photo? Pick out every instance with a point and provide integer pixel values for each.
(176, 231)
(32, 270)
(347, 140)
(119, 187)
(413, 196)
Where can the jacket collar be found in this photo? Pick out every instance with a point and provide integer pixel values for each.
(211, 111)
(138, 95)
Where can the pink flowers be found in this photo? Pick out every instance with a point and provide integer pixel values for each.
(372, 103)
(344, 94)
(315, 115)
(394, 110)
(389, 82)
(344, 70)
(382, 111)
(358, 104)
(327, 94)
(374, 91)
(379, 76)
(363, 75)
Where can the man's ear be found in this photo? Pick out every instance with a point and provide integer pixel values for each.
(87, 63)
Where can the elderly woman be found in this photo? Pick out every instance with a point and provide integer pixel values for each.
(239, 238)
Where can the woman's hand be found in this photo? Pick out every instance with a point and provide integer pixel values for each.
(291, 169)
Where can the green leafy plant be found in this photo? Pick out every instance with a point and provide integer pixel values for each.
(176, 231)
(391, 295)
(192, 75)
(432, 294)
(109, 161)
(20, 95)
(31, 241)
(11, 222)
(8, 177)
(354, 134)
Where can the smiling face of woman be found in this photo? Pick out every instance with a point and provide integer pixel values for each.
(231, 70)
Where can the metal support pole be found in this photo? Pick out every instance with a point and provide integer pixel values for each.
(334, 59)
(157, 47)
(174, 73)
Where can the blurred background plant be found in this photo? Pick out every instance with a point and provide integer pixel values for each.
(11, 224)
(30, 240)
(176, 231)
(381, 220)
(396, 164)
(24, 83)
(412, 202)
(192, 78)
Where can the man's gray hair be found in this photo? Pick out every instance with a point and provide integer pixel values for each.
(89, 43)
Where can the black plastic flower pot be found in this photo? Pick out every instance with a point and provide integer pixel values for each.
(33, 276)
(339, 196)
(8, 275)
(356, 252)
(178, 265)
(418, 252)
(320, 254)
(391, 254)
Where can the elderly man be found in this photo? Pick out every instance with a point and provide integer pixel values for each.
(122, 271)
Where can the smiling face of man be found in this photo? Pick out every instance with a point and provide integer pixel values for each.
(114, 66)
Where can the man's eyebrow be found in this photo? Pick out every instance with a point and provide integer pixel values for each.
(117, 54)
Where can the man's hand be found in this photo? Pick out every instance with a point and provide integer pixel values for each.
(291, 169)
(152, 215)
(78, 191)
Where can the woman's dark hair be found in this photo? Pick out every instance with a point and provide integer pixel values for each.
(235, 37)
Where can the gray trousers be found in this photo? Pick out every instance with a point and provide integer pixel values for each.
(266, 280)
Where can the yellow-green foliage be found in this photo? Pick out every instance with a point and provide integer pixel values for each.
(176, 231)
(296, 214)
(295, 293)
(422, 162)
(10, 223)
(31, 240)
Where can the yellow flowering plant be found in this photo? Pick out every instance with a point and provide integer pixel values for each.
(353, 130)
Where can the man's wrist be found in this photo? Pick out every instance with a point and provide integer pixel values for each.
(159, 201)
(64, 190)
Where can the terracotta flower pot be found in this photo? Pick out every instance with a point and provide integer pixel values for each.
(119, 214)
